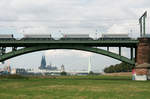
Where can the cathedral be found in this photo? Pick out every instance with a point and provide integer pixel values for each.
(46, 67)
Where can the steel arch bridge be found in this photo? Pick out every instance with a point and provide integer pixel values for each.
(90, 46)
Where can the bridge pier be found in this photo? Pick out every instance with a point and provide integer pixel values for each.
(14, 48)
(2, 50)
(143, 51)
(131, 53)
(108, 48)
(119, 50)
(142, 68)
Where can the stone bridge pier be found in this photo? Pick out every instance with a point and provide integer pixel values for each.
(142, 68)
(143, 51)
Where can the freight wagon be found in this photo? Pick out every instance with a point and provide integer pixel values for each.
(6, 37)
(115, 37)
(37, 37)
(76, 37)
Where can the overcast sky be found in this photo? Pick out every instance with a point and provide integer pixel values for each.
(70, 16)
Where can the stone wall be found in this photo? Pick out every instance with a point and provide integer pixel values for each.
(142, 71)
(143, 51)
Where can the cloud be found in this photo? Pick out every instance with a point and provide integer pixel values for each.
(70, 15)
(118, 29)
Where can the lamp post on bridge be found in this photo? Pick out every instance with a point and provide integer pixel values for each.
(142, 24)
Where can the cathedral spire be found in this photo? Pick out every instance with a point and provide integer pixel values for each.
(43, 63)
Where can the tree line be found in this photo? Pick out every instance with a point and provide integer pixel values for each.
(122, 67)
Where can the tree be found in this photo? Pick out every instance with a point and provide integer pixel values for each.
(63, 73)
(122, 67)
(91, 73)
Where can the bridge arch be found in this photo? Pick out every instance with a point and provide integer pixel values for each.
(84, 48)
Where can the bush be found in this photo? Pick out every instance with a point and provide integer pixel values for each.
(13, 77)
(91, 73)
(63, 73)
(122, 67)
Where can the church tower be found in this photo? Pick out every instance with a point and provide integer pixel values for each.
(43, 63)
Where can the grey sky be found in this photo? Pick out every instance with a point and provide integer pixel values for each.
(70, 16)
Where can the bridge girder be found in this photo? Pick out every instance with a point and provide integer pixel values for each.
(25, 50)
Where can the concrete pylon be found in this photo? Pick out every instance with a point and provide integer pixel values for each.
(89, 65)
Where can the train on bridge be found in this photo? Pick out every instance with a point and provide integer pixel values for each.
(66, 37)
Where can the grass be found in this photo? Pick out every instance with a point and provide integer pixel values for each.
(73, 87)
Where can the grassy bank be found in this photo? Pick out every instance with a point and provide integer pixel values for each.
(73, 87)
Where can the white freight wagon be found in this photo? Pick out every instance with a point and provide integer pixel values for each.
(76, 35)
(115, 36)
(37, 36)
(6, 35)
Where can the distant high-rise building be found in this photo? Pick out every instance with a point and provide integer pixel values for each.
(50, 67)
(62, 68)
(43, 63)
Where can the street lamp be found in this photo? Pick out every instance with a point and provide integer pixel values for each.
(142, 23)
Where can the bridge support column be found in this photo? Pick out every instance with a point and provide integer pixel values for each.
(143, 59)
(107, 48)
(2, 52)
(120, 51)
(135, 55)
(131, 53)
(14, 48)
(143, 51)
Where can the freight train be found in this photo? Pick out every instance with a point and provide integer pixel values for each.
(66, 37)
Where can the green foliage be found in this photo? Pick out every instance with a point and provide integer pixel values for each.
(63, 73)
(12, 77)
(91, 73)
(122, 67)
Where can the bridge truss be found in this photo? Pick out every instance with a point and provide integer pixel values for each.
(20, 47)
